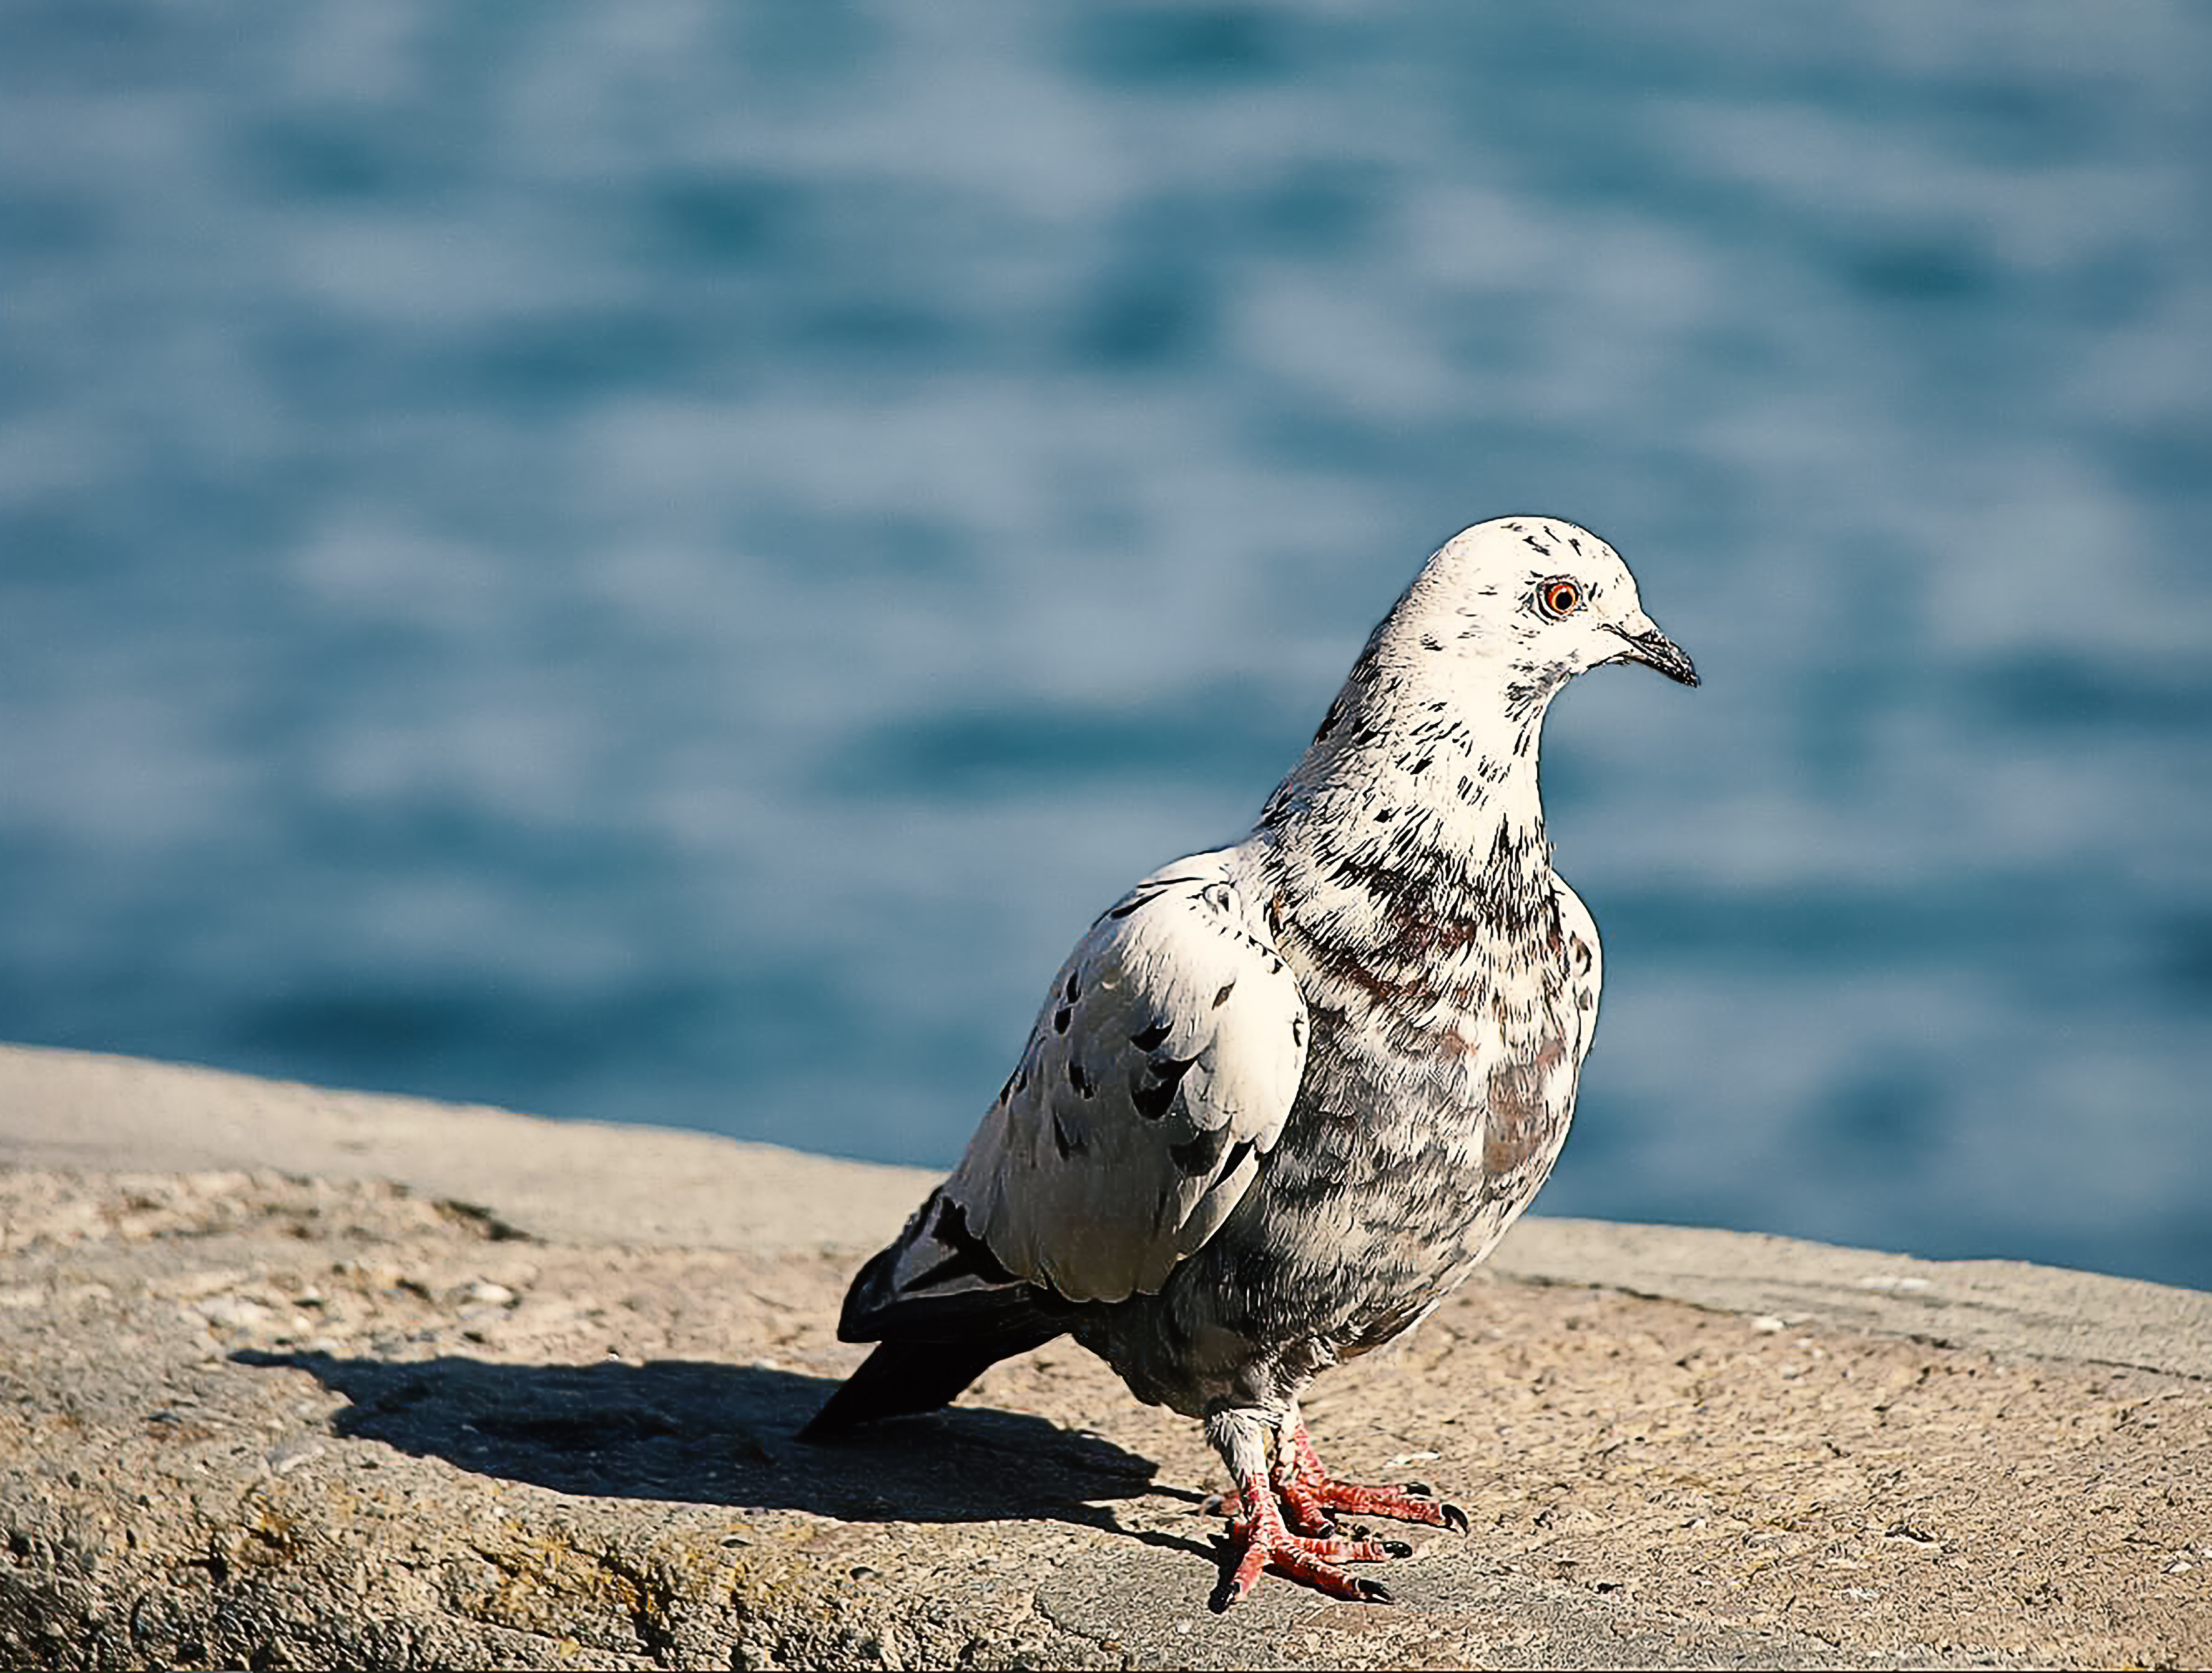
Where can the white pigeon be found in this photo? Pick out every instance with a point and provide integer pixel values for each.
(1285, 1095)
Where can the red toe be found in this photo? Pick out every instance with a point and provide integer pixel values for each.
(1312, 1493)
(1261, 1542)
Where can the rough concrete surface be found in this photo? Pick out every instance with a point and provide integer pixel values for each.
(294, 1378)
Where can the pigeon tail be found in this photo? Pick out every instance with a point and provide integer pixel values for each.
(905, 1377)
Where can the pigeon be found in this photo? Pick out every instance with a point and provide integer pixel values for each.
(1284, 1096)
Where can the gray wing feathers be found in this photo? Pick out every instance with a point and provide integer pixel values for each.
(1161, 1069)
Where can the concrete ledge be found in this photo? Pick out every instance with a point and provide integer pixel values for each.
(296, 1376)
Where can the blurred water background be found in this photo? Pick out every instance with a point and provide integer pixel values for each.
(660, 561)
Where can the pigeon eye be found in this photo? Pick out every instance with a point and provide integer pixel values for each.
(1559, 598)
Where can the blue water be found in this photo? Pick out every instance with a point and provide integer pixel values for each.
(660, 561)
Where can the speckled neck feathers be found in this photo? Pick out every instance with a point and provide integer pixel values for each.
(1419, 791)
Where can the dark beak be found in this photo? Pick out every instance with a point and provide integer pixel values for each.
(1654, 650)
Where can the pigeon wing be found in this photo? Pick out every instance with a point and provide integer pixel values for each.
(1160, 1071)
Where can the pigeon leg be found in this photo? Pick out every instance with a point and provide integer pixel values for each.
(1309, 1493)
(1259, 1540)
(1297, 1471)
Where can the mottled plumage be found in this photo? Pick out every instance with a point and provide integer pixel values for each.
(1284, 1096)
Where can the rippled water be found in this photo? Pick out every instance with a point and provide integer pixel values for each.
(661, 561)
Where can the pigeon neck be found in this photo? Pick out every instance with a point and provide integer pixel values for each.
(1418, 795)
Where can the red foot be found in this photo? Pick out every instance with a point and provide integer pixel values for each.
(1299, 1538)
(1261, 1542)
(1309, 1494)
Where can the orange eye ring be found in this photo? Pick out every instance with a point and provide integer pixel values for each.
(1558, 598)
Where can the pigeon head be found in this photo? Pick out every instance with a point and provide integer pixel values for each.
(1541, 596)
(1498, 621)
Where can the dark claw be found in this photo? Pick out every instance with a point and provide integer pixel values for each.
(1455, 1518)
(1397, 1548)
(1420, 1490)
(1376, 1592)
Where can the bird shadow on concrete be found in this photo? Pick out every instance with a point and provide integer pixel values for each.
(723, 1434)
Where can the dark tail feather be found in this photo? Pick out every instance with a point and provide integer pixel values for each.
(903, 1376)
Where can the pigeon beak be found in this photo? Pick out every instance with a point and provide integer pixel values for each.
(1654, 650)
